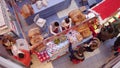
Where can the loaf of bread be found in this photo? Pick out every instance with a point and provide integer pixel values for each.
(36, 39)
(76, 16)
(79, 37)
(33, 32)
(84, 30)
(26, 10)
(86, 33)
(82, 27)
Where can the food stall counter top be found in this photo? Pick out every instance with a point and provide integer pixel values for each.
(50, 4)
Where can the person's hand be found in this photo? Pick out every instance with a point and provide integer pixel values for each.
(85, 45)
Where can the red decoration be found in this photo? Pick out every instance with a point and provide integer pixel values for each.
(107, 7)
(43, 56)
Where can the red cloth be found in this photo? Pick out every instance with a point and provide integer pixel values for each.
(118, 50)
(106, 8)
(26, 60)
(75, 61)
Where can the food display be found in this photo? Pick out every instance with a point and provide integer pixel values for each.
(34, 35)
(74, 36)
(63, 38)
(57, 41)
(94, 23)
(43, 56)
(86, 33)
(84, 30)
(34, 31)
(26, 10)
(40, 47)
(77, 16)
(36, 39)
(57, 45)
(60, 39)
(82, 27)
(79, 36)
(51, 48)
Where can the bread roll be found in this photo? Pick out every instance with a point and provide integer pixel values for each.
(26, 10)
(76, 16)
(86, 33)
(36, 39)
(79, 37)
(33, 32)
